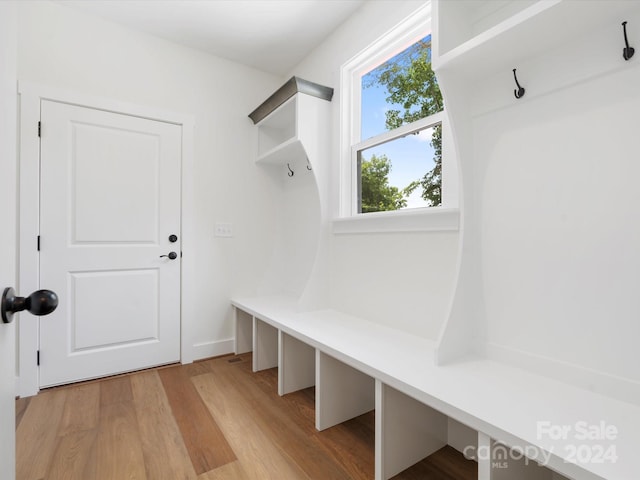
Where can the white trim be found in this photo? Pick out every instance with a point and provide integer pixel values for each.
(404, 34)
(404, 130)
(44, 92)
(429, 219)
(212, 349)
(27, 334)
(596, 381)
(188, 284)
(31, 95)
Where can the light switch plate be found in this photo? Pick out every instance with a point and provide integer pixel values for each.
(224, 230)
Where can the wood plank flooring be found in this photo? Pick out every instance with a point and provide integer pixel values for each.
(211, 420)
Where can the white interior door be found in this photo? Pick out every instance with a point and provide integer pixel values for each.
(110, 200)
(8, 162)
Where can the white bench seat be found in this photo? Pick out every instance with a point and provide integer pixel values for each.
(359, 364)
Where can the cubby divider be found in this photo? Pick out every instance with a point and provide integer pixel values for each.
(342, 392)
(406, 431)
(265, 345)
(296, 363)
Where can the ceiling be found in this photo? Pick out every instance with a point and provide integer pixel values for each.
(270, 35)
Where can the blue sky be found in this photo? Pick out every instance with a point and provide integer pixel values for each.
(411, 157)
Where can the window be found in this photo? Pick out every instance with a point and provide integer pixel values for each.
(392, 123)
(404, 172)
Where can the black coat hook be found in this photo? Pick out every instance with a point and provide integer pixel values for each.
(519, 93)
(627, 51)
(309, 165)
(290, 172)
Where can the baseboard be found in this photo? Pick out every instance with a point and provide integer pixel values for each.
(211, 349)
(620, 388)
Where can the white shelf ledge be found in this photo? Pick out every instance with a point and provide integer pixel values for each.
(286, 152)
(430, 219)
(531, 32)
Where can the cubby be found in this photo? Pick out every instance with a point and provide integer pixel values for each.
(265, 345)
(485, 409)
(277, 131)
(243, 324)
(319, 351)
(292, 148)
(342, 392)
(291, 122)
(297, 362)
(497, 367)
(500, 462)
(463, 22)
(520, 307)
(406, 431)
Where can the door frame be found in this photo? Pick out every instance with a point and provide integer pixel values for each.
(31, 95)
(8, 244)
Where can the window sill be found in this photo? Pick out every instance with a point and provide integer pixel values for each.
(432, 219)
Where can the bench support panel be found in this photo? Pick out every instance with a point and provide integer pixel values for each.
(505, 465)
(406, 431)
(297, 364)
(244, 331)
(484, 465)
(342, 392)
(265, 345)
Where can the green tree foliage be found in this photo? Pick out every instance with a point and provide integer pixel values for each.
(411, 84)
(376, 193)
(431, 182)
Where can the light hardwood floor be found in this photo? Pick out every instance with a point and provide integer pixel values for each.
(211, 420)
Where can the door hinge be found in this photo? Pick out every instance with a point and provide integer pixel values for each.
(39, 129)
(38, 357)
(38, 242)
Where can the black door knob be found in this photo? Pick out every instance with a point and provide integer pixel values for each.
(40, 302)
(173, 238)
(171, 255)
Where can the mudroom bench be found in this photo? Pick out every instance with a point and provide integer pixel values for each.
(544, 429)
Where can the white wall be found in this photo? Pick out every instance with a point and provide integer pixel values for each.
(296, 228)
(63, 48)
(399, 279)
(559, 225)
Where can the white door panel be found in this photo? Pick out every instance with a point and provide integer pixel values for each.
(131, 319)
(110, 167)
(110, 198)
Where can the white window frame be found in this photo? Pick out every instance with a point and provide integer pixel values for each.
(386, 137)
(402, 36)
